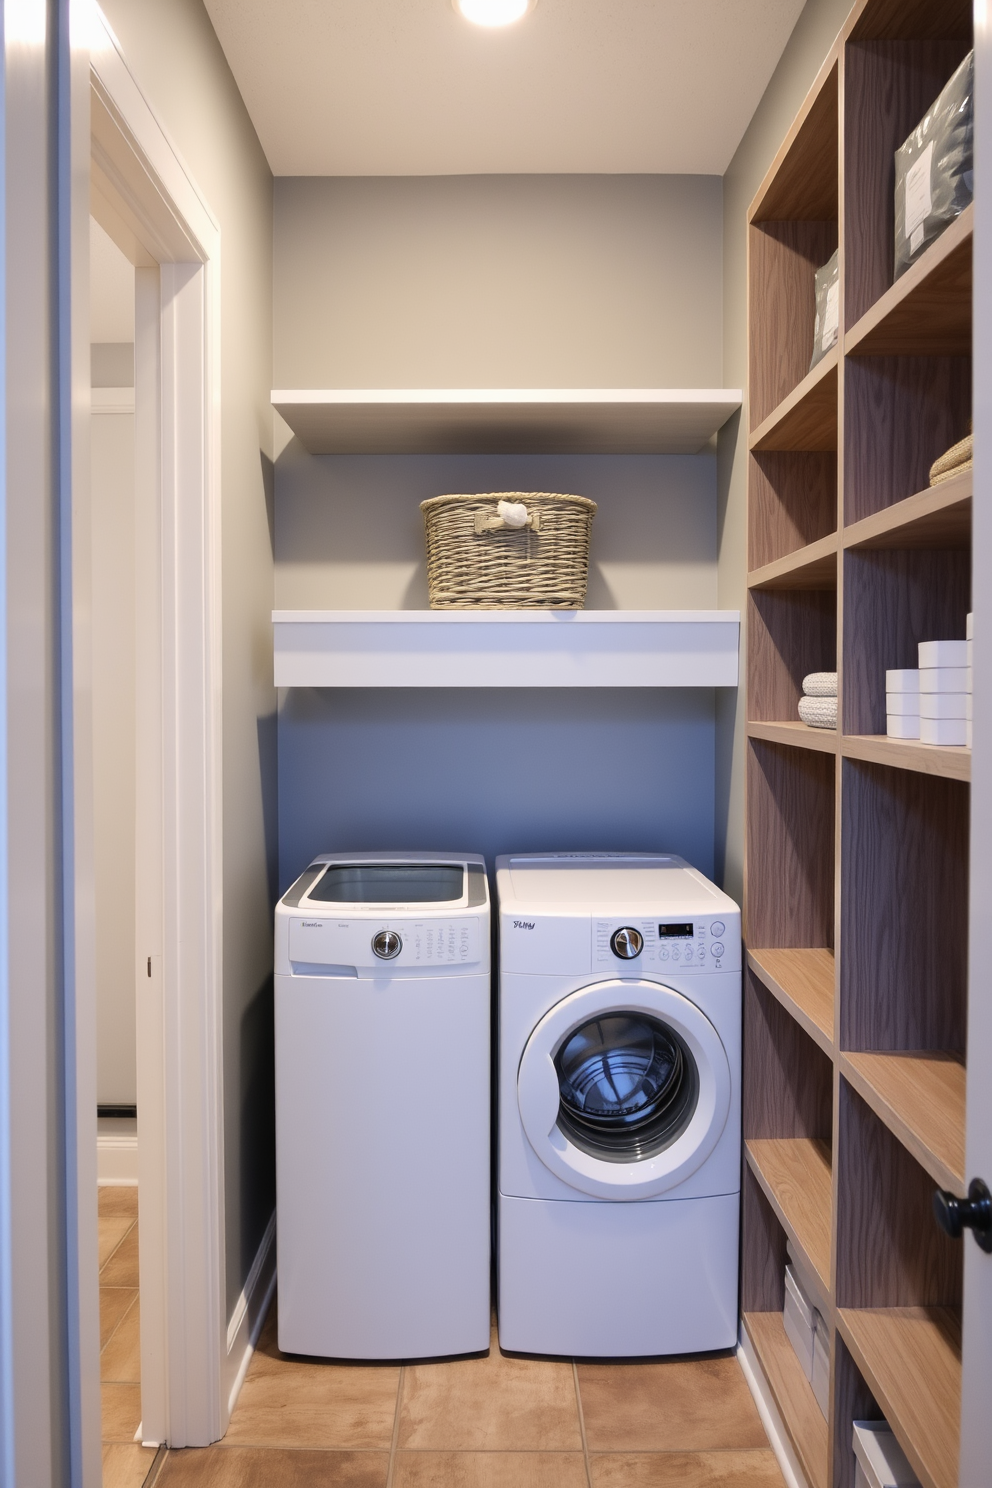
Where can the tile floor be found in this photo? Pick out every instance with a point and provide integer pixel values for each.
(497, 1422)
(125, 1462)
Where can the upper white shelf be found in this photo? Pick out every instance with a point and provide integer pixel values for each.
(506, 648)
(600, 421)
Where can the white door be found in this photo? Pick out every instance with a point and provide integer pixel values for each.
(624, 1089)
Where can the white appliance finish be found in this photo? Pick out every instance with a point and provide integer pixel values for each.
(621, 1239)
(383, 1108)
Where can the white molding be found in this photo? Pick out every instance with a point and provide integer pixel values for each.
(778, 1437)
(112, 400)
(249, 1314)
(506, 648)
(117, 1159)
(331, 421)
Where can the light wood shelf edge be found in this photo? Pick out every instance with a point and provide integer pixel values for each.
(930, 1395)
(803, 1153)
(945, 761)
(925, 1092)
(770, 973)
(885, 528)
(796, 569)
(797, 735)
(792, 1391)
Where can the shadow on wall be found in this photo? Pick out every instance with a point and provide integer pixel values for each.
(257, 1177)
(495, 770)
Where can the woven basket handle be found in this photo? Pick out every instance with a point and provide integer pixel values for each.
(495, 523)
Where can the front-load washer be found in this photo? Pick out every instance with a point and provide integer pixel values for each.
(619, 1106)
(382, 1026)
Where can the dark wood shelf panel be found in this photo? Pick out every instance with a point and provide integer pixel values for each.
(911, 1361)
(797, 1406)
(798, 735)
(811, 567)
(794, 1174)
(921, 1099)
(950, 762)
(803, 982)
(801, 182)
(807, 418)
(912, 20)
(935, 518)
(927, 312)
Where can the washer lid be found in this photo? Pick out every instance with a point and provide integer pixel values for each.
(390, 883)
(624, 1089)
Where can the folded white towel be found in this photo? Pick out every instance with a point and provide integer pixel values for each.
(818, 712)
(514, 513)
(820, 685)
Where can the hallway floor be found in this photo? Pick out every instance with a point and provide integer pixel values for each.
(494, 1422)
(125, 1461)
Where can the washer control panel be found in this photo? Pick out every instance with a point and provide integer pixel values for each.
(377, 946)
(666, 945)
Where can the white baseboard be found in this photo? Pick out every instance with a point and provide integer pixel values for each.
(778, 1437)
(117, 1159)
(249, 1315)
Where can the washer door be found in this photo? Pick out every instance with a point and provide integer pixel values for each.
(623, 1089)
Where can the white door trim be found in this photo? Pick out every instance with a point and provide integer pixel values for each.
(144, 196)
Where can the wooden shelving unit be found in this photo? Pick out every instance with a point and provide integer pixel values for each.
(856, 844)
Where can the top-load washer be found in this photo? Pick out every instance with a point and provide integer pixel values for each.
(619, 1106)
(382, 1014)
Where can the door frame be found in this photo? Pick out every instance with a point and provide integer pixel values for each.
(138, 188)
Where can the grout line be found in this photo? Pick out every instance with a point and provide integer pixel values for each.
(396, 1428)
(582, 1424)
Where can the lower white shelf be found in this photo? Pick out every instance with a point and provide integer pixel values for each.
(506, 648)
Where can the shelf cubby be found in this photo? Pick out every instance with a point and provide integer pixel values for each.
(893, 599)
(927, 311)
(790, 847)
(889, 83)
(793, 502)
(898, 1290)
(802, 978)
(790, 632)
(852, 1401)
(806, 417)
(921, 1098)
(937, 517)
(811, 567)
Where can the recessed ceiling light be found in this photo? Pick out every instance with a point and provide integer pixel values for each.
(493, 12)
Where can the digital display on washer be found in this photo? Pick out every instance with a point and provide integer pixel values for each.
(389, 883)
(675, 932)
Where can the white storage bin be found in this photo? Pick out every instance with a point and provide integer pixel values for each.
(806, 1279)
(903, 726)
(798, 1317)
(943, 731)
(881, 1462)
(820, 1379)
(943, 654)
(905, 679)
(945, 679)
(944, 704)
(902, 704)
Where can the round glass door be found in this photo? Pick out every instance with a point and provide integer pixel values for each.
(628, 1086)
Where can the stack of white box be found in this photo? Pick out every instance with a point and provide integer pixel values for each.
(968, 699)
(945, 692)
(806, 1330)
(902, 704)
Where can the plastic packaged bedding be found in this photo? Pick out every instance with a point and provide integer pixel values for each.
(934, 169)
(827, 309)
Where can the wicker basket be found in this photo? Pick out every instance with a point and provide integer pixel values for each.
(475, 560)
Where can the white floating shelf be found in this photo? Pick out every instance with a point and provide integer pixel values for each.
(609, 421)
(506, 648)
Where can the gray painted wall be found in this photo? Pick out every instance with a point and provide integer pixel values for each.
(174, 54)
(489, 281)
(815, 33)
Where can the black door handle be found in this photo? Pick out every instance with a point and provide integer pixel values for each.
(974, 1213)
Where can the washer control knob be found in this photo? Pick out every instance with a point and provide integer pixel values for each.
(627, 943)
(716, 950)
(717, 928)
(386, 945)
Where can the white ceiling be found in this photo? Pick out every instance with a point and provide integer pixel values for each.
(111, 289)
(407, 87)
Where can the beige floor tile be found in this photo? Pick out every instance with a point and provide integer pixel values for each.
(495, 1404)
(696, 1405)
(489, 1470)
(757, 1469)
(114, 1303)
(126, 1466)
(120, 1361)
(111, 1230)
(121, 1270)
(118, 1199)
(120, 1407)
(252, 1467)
